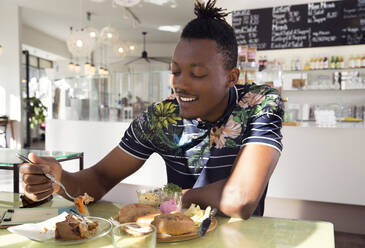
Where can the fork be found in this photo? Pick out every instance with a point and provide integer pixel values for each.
(49, 176)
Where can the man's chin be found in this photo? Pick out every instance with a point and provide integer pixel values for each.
(188, 116)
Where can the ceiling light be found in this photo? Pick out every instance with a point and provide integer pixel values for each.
(126, 3)
(71, 66)
(92, 69)
(173, 28)
(77, 68)
(79, 43)
(109, 35)
(120, 49)
(87, 66)
(92, 34)
(161, 2)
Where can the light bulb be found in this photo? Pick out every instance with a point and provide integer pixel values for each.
(92, 34)
(77, 68)
(79, 43)
(120, 50)
(71, 66)
(109, 35)
(92, 69)
(132, 47)
(87, 67)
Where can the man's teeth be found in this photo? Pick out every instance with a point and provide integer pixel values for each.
(187, 99)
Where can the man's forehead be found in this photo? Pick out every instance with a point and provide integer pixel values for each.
(195, 52)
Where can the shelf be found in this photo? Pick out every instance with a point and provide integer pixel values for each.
(300, 90)
(324, 70)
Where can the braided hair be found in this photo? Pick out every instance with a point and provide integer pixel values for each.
(210, 24)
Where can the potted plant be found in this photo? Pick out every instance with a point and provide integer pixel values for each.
(37, 111)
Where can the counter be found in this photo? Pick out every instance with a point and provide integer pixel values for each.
(317, 164)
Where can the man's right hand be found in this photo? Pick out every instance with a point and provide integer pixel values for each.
(36, 185)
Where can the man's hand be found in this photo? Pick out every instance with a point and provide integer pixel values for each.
(36, 185)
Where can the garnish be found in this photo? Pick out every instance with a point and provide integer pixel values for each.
(171, 188)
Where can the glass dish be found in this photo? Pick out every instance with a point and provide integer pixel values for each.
(149, 196)
(104, 227)
(131, 235)
(170, 201)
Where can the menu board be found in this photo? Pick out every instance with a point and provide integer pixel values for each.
(320, 24)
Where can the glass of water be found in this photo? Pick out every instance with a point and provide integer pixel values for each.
(132, 235)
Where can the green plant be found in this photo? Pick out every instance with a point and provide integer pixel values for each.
(37, 111)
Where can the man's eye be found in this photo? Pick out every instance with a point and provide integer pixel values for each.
(198, 76)
(175, 73)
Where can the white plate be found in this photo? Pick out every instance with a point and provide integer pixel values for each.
(103, 228)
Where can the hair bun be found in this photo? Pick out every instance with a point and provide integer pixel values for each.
(208, 10)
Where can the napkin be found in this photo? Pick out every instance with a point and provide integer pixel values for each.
(39, 231)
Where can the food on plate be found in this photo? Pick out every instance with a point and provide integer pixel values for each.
(173, 224)
(197, 214)
(171, 188)
(149, 198)
(146, 219)
(75, 228)
(170, 198)
(169, 206)
(131, 212)
(80, 202)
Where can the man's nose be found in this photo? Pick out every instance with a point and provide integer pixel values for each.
(180, 83)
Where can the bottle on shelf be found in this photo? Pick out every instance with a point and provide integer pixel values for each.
(298, 65)
(351, 62)
(325, 63)
(358, 61)
(363, 61)
(320, 63)
(312, 63)
(307, 66)
(337, 62)
(333, 62)
(252, 65)
(342, 62)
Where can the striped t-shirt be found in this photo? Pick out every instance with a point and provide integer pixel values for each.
(198, 153)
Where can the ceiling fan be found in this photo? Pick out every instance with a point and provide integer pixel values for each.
(144, 55)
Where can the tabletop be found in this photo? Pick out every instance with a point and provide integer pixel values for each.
(256, 232)
(8, 156)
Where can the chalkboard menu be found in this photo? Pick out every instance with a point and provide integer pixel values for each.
(309, 25)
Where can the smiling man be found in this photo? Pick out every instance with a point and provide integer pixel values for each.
(220, 141)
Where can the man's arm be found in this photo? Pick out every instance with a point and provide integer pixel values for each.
(239, 195)
(96, 180)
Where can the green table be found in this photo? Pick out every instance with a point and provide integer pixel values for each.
(9, 161)
(256, 232)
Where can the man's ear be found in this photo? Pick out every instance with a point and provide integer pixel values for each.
(232, 77)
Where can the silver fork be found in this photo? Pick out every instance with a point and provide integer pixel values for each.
(49, 176)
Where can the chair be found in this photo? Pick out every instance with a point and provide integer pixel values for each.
(4, 120)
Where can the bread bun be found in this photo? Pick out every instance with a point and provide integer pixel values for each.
(131, 212)
(146, 219)
(173, 224)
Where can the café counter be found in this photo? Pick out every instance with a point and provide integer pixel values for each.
(317, 163)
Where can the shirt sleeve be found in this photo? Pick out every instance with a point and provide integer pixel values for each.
(265, 118)
(135, 141)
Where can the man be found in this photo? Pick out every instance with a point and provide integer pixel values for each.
(220, 141)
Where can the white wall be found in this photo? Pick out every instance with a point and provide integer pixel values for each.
(10, 66)
(37, 39)
(96, 139)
